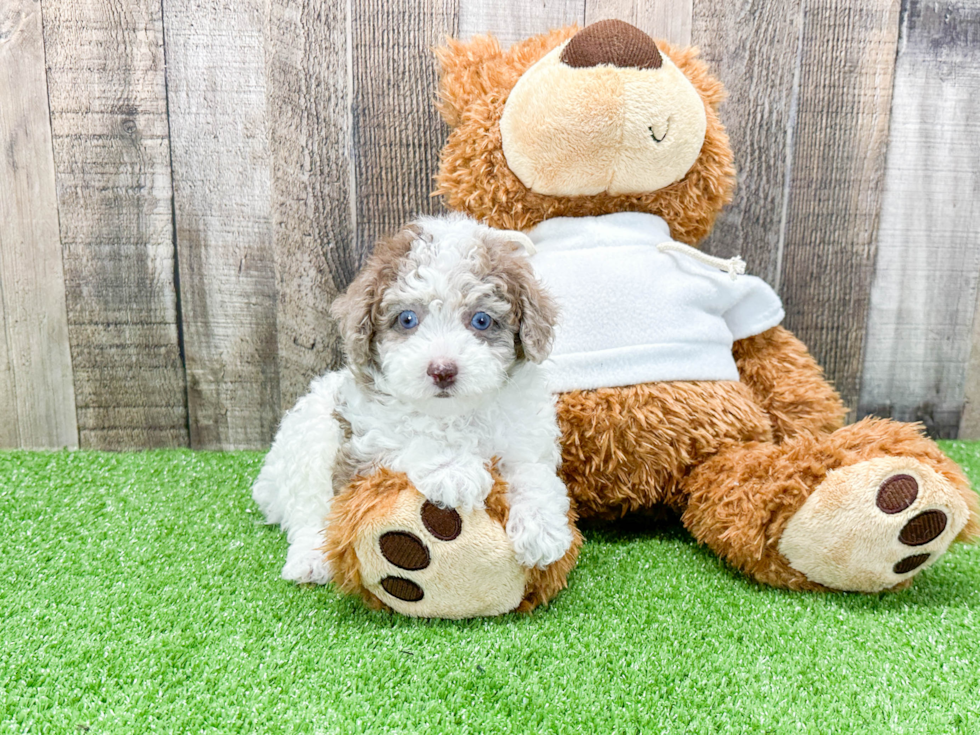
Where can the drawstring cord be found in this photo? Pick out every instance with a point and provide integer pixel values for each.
(735, 267)
(519, 237)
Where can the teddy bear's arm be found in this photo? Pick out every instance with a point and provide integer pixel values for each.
(788, 384)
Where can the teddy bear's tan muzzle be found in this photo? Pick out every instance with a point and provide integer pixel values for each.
(603, 112)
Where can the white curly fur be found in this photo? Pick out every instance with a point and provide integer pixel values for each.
(499, 406)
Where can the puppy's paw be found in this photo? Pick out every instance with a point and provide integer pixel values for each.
(539, 537)
(305, 562)
(461, 486)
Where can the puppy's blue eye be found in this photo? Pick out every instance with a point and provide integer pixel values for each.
(408, 320)
(481, 320)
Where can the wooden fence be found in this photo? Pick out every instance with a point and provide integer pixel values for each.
(186, 184)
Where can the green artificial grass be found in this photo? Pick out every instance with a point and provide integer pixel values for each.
(139, 593)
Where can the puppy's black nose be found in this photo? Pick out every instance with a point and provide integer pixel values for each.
(443, 373)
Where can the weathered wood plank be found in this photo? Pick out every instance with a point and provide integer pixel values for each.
(108, 102)
(846, 68)
(667, 19)
(310, 147)
(925, 287)
(970, 421)
(9, 429)
(515, 20)
(397, 133)
(754, 48)
(219, 142)
(37, 396)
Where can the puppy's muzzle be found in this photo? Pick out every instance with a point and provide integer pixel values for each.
(443, 373)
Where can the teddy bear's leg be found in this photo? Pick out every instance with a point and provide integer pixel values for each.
(862, 509)
(386, 542)
(788, 384)
(628, 449)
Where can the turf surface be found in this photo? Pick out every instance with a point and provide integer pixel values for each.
(139, 593)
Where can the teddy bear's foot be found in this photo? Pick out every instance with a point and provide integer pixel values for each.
(874, 525)
(425, 561)
(398, 550)
(864, 508)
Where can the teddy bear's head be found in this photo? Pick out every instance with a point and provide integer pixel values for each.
(583, 122)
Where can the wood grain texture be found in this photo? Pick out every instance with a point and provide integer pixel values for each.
(515, 20)
(154, 205)
(970, 419)
(846, 67)
(37, 395)
(310, 145)
(9, 429)
(754, 48)
(397, 134)
(667, 19)
(112, 157)
(925, 286)
(222, 198)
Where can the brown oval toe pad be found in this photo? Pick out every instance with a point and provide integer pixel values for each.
(403, 589)
(404, 550)
(897, 493)
(923, 528)
(443, 523)
(909, 563)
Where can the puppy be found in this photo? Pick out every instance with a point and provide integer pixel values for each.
(444, 331)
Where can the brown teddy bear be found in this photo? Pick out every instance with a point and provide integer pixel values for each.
(677, 387)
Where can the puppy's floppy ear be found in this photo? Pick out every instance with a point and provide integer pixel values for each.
(358, 310)
(535, 309)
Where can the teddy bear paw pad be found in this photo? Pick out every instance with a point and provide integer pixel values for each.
(426, 561)
(443, 523)
(403, 589)
(871, 526)
(404, 550)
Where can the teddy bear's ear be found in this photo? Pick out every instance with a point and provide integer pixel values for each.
(471, 70)
(462, 74)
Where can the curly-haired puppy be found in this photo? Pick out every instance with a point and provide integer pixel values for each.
(444, 330)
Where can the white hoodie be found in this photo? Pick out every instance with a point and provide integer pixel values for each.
(631, 313)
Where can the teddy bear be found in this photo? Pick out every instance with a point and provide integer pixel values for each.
(677, 387)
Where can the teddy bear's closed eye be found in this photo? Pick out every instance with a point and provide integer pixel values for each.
(653, 133)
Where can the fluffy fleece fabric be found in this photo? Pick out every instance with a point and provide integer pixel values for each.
(634, 313)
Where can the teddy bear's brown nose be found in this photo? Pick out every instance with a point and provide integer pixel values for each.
(612, 42)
